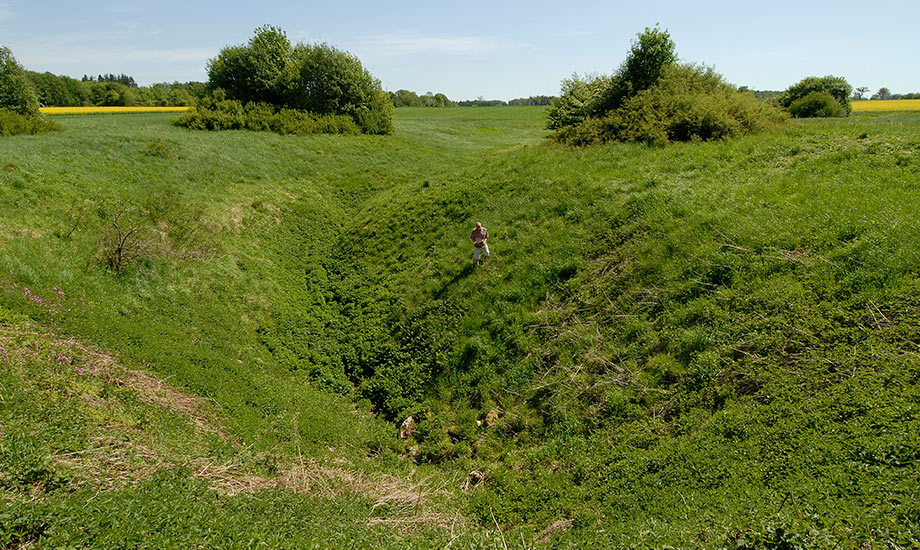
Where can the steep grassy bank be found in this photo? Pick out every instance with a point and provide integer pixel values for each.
(205, 272)
(698, 345)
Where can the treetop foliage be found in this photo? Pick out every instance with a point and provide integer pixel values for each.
(313, 77)
(122, 79)
(18, 102)
(64, 91)
(650, 54)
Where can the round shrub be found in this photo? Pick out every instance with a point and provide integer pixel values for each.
(816, 105)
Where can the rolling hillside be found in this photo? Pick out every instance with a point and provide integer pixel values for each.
(698, 345)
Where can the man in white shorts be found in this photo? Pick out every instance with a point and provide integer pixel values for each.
(479, 236)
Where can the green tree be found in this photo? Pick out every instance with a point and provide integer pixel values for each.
(406, 98)
(836, 86)
(252, 72)
(324, 80)
(312, 77)
(650, 54)
(16, 94)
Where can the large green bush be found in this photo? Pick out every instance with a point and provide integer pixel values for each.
(576, 101)
(816, 105)
(687, 103)
(836, 86)
(651, 53)
(316, 78)
(653, 99)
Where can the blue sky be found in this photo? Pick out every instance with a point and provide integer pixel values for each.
(467, 49)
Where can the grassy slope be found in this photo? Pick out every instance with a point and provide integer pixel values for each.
(212, 209)
(695, 345)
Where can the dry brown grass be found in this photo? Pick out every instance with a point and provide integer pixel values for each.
(111, 460)
(121, 454)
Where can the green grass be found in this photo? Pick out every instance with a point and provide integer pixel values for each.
(700, 345)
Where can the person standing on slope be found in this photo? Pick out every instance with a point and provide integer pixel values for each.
(479, 236)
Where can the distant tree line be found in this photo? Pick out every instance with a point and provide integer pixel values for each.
(121, 79)
(883, 93)
(764, 95)
(534, 100)
(110, 90)
(406, 98)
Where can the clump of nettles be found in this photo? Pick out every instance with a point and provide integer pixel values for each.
(18, 102)
(654, 99)
(269, 84)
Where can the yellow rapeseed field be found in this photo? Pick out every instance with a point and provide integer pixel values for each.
(106, 110)
(875, 105)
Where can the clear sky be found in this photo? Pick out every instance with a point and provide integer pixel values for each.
(467, 49)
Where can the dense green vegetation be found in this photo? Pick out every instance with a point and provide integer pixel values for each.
(314, 78)
(653, 99)
(808, 97)
(215, 112)
(18, 103)
(698, 345)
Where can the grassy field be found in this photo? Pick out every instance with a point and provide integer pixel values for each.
(701, 345)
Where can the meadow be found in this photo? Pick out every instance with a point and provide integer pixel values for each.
(699, 345)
